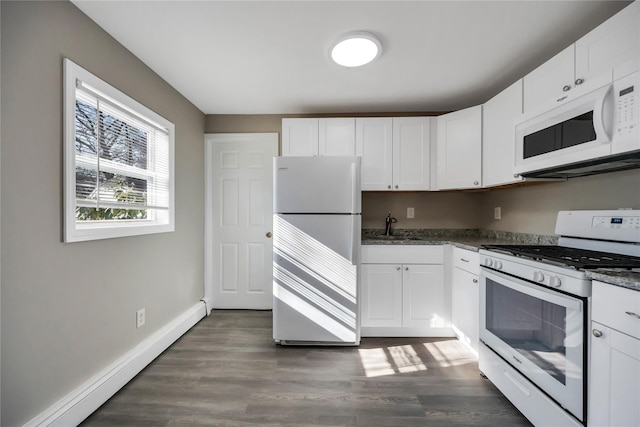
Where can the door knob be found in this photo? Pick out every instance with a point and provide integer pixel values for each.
(269, 234)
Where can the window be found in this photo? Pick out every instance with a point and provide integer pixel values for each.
(118, 162)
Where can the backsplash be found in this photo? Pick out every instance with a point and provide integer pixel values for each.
(525, 209)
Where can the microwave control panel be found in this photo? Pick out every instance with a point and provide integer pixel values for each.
(626, 105)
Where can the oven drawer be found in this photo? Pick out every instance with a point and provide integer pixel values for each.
(534, 404)
(616, 307)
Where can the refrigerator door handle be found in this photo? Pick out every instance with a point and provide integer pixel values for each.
(355, 239)
(354, 186)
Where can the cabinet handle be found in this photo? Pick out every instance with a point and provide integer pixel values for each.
(397, 268)
(579, 81)
(475, 182)
(269, 234)
(596, 333)
(561, 99)
(464, 260)
(632, 314)
(475, 280)
(566, 88)
(406, 269)
(389, 187)
(396, 187)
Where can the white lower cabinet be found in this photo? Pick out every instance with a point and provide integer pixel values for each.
(404, 292)
(381, 295)
(465, 297)
(614, 373)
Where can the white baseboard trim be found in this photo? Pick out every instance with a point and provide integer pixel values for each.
(84, 400)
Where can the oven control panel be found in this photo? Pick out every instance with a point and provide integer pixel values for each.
(620, 221)
(621, 225)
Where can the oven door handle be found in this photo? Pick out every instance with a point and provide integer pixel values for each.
(536, 291)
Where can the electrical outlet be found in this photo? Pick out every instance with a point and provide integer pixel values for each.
(497, 212)
(410, 213)
(140, 318)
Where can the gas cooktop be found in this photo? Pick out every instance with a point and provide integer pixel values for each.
(579, 259)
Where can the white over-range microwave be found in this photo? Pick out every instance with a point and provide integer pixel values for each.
(597, 132)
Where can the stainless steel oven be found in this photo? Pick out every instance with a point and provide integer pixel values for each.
(534, 311)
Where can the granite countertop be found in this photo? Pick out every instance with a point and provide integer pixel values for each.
(624, 278)
(472, 239)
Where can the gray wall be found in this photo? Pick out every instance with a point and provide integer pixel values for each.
(68, 310)
(533, 208)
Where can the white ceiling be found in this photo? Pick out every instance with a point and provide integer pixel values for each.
(271, 57)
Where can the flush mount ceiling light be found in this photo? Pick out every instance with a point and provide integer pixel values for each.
(355, 49)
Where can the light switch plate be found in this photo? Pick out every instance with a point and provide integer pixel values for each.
(410, 213)
(497, 212)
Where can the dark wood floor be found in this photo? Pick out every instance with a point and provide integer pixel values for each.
(227, 371)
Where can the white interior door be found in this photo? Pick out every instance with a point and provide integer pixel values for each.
(239, 209)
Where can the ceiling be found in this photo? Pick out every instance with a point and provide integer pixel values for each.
(271, 57)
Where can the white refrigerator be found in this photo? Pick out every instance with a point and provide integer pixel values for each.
(316, 250)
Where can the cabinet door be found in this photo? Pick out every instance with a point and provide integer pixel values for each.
(611, 50)
(337, 137)
(381, 303)
(423, 295)
(465, 307)
(614, 386)
(550, 84)
(460, 149)
(299, 137)
(374, 145)
(499, 116)
(411, 153)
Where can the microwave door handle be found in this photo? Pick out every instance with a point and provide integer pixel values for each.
(600, 117)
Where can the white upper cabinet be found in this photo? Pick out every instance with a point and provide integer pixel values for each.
(374, 144)
(612, 48)
(411, 153)
(318, 137)
(460, 149)
(608, 52)
(299, 137)
(395, 153)
(550, 83)
(337, 137)
(499, 116)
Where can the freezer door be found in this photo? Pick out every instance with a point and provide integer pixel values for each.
(315, 278)
(316, 185)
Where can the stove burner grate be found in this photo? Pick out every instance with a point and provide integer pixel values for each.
(581, 259)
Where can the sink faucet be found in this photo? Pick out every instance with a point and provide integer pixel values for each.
(387, 224)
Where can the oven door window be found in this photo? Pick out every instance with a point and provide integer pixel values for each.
(535, 328)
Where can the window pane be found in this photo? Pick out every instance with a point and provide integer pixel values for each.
(85, 183)
(98, 214)
(122, 190)
(85, 128)
(121, 140)
(113, 190)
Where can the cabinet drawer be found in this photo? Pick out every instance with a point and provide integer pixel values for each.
(466, 260)
(403, 254)
(617, 308)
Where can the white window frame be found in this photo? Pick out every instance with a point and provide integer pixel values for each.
(74, 230)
